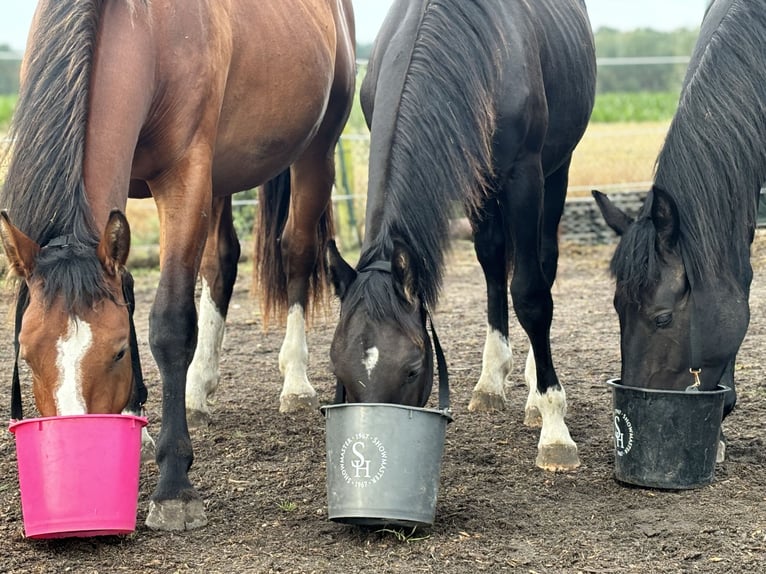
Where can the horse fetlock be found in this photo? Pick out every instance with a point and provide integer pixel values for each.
(176, 515)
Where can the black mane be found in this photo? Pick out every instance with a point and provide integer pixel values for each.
(713, 161)
(44, 191)
(441, 151)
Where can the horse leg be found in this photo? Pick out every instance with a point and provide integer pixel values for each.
(183, 202)
(497, 360)
(138, 394)
(218, 273)
(553, 208)
(730, 399)
(533, 304)
(302, 244)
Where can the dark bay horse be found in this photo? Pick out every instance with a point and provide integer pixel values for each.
(682, 267)
(187, 102)
(474, 104)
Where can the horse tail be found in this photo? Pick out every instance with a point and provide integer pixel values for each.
(269, 275)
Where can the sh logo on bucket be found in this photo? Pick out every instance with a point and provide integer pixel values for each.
(363, 460)
(623, 433)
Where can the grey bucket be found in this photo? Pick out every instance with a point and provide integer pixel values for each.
(383, 463)
(666, 439)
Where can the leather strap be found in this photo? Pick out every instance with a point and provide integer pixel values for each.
(441, 362)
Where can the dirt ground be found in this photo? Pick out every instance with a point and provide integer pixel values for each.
(262, 473)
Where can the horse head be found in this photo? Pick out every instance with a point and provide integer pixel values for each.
(381, 351)
(673, 319)
(74, 327)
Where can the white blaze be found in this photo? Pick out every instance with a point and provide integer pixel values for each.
(370, 360)
(71, 348)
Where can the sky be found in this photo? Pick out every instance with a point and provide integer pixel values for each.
(664, 15)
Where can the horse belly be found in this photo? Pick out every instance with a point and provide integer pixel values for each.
(253, 147)
(276, 93)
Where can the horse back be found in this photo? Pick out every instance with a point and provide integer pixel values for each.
(544, 86)
(550, 69)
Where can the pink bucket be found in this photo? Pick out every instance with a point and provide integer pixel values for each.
(78, 475)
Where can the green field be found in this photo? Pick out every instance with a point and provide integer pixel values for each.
(6, 111)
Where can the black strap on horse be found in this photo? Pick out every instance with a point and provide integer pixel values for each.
(441, 362)
(22, 302)
(135, 358)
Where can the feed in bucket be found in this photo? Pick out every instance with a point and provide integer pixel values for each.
(666, 439)
(383, 463)
(78, 475)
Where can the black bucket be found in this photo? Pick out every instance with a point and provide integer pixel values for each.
(666, 439)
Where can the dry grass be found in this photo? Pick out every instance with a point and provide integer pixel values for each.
(616, 156)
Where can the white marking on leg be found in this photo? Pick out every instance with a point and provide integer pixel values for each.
(370, 360)
(294, 356)
(530, 376)
(71, 348)
(496, 364)
(553, 408)
(203, 376)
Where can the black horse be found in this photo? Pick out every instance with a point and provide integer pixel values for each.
(478, 104)
(682, 268)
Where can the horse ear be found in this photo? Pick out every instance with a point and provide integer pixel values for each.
(341, 273)
(615, 218)
(665, 218)
(114, 247)
(403, 270)
(20, 250)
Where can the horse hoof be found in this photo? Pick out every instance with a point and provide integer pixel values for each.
(176, 515)
(532, 417)
(148, 448)
(557, 457)
(486, 402)
(196, 419)
(148, 452)
(294, 403)
(720, 455)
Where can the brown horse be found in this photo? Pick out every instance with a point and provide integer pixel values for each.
(187, 103)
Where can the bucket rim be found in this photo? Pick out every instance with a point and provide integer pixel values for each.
(13, 424)
(617, 384)
(446, 413)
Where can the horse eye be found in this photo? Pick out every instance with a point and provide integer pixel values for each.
(412, 376)
(119, 356)
(663, 320)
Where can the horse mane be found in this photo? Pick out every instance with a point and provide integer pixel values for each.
(713, 160)
(441, 149)
(381, 303)
(44, 190)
